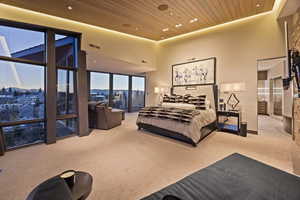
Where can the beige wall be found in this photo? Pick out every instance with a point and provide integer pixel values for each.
(114, 45)
(236, 47)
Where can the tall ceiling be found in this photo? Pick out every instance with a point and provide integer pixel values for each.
(143, 18)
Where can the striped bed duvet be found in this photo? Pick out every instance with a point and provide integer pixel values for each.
(188, 122)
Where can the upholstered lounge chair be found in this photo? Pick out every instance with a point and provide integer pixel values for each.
(103, 117)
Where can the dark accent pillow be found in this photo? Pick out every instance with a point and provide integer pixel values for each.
(178, 99)
(172, 99)
(166, 98)
(198, 101)
(186, 98)
(170, 197)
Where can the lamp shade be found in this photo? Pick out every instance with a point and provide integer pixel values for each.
(156, 90)
(239, 87)
(233, 87)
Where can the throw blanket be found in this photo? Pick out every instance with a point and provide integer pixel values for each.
(177, 114)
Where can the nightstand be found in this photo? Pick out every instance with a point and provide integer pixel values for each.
(225, 122)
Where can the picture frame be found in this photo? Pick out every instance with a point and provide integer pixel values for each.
(197, 72)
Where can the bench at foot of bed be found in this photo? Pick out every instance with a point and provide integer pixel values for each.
(236, 177)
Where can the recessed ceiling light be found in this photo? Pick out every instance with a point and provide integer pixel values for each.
(70, 7)
(163, 7)
(258, 5)
(178, 25)
(193, 20)
(165, 29)
(126, 25)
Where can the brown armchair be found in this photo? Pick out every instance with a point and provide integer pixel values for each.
(103, 117)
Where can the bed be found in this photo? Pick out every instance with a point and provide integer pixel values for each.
(236, 177)
(189, 125)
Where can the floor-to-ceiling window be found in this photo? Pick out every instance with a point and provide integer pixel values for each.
(120, 91)
(126, 92)
(99, 87)
(138, 93)
(22, 88)
(23, 70)
(66, 63)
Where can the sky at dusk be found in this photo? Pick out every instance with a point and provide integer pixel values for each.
(26, 76)
(101, 81)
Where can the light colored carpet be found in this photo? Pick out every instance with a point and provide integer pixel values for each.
(271, 126)
(128, 164)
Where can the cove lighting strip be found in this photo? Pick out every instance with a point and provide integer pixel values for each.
(5, 6)
(276, 6)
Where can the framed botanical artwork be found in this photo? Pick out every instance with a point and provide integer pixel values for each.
(198, 72)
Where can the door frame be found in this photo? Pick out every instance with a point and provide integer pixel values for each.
(257, 66)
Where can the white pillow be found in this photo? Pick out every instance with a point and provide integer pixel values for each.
(178, 105)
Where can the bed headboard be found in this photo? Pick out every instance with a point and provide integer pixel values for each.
(211, 92)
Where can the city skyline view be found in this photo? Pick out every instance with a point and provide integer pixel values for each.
(22, 86)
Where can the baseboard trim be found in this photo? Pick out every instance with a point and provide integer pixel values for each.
(252, 132)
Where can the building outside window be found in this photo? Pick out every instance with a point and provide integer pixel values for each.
(120, 91)
(66, 64)
(23, 64)
(99, 87)
(138, 93)
(22, 89)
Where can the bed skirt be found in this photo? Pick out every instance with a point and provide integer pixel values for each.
(205, 131)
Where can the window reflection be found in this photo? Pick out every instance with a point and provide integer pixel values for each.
(25, 134)
(138, 93)
(22, 96)
(21, 43)
(66, 101)
(66, 127)
(120, 91)
(99, 87)
(65, 47)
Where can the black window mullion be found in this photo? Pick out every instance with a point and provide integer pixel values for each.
(50, 77)
(130, 94)
(68, 92)
(89, 84)
(111, 89)
(21, 60)
(51, 88)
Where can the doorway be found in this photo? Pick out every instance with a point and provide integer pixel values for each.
(274, 103)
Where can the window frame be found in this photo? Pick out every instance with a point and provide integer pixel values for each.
(69, 115)
(76, 49)
(129, 101)
(89, 83)
(25, 61)
(129, 89)
(145, 87)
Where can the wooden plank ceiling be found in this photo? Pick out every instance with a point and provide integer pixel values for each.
(143, 18)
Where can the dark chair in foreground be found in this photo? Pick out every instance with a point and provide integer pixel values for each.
(103, 117)
(56, 188)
